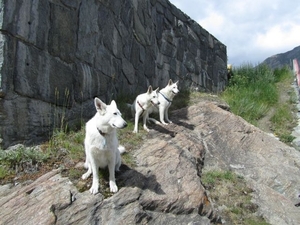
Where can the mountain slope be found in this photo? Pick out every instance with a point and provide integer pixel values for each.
(282, 59)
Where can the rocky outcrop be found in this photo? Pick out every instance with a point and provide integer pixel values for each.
(56, 55)
(165, 186)
(270, 167)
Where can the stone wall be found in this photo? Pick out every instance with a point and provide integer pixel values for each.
(56, 55)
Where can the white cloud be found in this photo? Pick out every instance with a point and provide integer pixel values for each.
(215, 22)
(252, 30)
(279, 36)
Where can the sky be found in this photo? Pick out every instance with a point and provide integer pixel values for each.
(252, 30)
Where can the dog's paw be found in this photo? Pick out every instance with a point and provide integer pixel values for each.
(113, 187)
(134, 131)
(94, 189)
(121, 149)
(85, 176)
(146, 128)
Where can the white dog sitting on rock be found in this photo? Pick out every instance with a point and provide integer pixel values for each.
(101, 143)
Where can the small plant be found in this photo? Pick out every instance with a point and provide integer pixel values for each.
(4, 171)
(74, 173)
(212, 177)
(15, 158)
(60, 109)
(21, 160)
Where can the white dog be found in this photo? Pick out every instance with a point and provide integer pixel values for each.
(101, 143)
(141, 105)
(165, 97)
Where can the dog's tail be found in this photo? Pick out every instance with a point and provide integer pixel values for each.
(121, 149)
(128, 105)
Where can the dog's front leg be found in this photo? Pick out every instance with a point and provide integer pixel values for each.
(111, 169)
(95, 170)
(161, 115)
(95, 185)
(88, 173)
(145, 117)
(167, 115)
(136, 121)
(87, 164)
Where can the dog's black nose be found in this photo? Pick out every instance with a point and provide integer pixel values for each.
(125, 124)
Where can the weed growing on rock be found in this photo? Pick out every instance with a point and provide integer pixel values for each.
(20, 160)
(67, 143)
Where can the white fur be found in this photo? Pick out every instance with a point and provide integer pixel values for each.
(141, 105)
(165, 97)
(101, 143)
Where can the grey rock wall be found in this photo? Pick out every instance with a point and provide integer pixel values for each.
(56, 55)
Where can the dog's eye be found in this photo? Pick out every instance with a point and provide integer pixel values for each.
(115, 113)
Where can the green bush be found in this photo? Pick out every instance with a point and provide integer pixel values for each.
(254, 91)
(251, 92)
(19, 160)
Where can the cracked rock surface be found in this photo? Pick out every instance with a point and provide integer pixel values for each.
(165, 186)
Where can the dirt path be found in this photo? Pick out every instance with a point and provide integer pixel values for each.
(284, 97)
(264, 123)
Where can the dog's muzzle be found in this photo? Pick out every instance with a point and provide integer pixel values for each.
(154, 103)
(121, 127)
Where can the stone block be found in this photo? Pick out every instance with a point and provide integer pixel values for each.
(64, 53)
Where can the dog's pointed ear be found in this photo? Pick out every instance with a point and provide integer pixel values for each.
(113, 103)
(100, 106)
(170, 82)
(149, 90)
(176, 82)
(157, 90)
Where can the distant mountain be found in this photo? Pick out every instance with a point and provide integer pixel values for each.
(282, 59)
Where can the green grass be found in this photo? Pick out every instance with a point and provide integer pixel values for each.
(282, 123)
(230, 191)
(253, 92)
(66, 143)
(212, 177)
(4, 171)
(21, 160)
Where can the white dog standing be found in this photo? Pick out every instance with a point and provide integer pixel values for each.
(142, 104)
(165, 97)
(101, 143)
